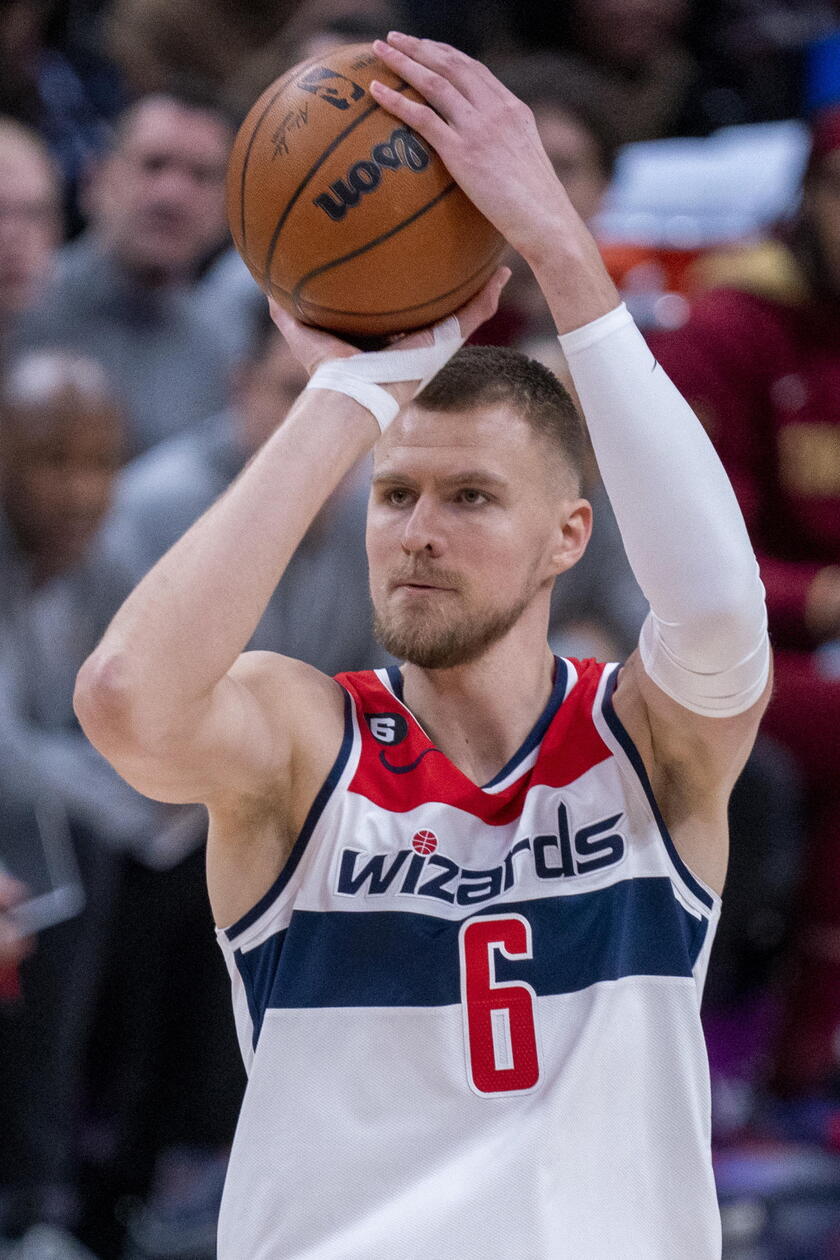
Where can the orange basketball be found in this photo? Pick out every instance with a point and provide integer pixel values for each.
(343, 214)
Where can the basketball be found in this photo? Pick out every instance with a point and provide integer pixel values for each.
(343, 214)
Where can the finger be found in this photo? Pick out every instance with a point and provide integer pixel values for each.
(484, 304)
(310, 346)
(470, 77)
(442, 95)
(421, 118)
(281, 318)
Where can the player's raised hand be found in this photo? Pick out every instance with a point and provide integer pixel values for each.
(486, 136)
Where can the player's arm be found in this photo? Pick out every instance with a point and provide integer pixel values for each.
(169, 696)
(693, 694)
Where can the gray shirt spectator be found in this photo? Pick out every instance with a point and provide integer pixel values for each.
(46, 633)
(163, 353)
(60, 583)
(122, 292)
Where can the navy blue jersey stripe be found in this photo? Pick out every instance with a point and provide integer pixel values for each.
(558, 692)
(616, 726)
(315, 812)
(396, 680)
(399, 958)
(258, 969)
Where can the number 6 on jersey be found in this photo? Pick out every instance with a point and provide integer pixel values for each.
(499, 1019)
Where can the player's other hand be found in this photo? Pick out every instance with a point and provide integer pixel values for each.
(486, 137)
(312, 346)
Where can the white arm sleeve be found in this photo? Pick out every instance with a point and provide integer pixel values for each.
(704, 641)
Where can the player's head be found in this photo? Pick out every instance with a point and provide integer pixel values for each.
(475, 508)
(60, 450)
(30, 215)
(157, 198)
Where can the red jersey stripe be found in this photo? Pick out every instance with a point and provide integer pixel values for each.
(402, 769)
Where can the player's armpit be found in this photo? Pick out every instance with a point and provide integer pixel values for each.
(692, 762)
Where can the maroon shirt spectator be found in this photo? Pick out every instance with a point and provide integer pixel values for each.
(760, 361)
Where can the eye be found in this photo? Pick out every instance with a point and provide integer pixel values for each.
(154, 163)
(397, 496)
(472, 497)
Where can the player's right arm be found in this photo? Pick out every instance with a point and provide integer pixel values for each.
(169, 696)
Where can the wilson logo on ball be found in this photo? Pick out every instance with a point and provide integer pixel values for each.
(402, 150)
(424, 842)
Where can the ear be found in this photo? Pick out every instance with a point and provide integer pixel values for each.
(574, 527)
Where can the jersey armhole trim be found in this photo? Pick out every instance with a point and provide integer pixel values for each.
(704, 895)
(299, 847)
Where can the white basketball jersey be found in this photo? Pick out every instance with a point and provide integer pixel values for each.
(470, 1015)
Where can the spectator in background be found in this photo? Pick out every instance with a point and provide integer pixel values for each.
(636, 49)
(60, 449)
(760, 360)
(68, 96)
(123, 289)
(321, 611)
(155, 42)
(30, 220)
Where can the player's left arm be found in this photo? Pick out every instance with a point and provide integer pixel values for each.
(693, 694)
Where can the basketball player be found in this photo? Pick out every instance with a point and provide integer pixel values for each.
(467, 904)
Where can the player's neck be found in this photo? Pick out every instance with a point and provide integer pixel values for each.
(479, 714)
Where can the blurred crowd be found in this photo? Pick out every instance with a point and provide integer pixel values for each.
(138, 373)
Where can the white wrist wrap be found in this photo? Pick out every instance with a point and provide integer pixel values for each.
(361, 375)
(705, 640)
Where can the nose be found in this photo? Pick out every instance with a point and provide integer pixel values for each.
(174, 186)
(423, 530)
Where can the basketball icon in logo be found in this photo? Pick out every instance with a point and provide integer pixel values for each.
(424, 842)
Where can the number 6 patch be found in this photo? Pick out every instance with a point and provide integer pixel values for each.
(499, 1019)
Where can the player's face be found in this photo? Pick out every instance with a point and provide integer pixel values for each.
(465, 532)
(159, 198)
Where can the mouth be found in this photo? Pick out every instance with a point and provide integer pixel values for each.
(420, 586)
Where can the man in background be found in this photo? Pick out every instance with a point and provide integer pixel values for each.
(30, 220)
(60, 450)
(123, 289)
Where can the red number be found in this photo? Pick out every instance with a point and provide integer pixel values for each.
(499, 1022)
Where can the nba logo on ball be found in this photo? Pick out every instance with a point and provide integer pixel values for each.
(424, 842)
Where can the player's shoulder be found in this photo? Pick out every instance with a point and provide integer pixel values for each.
(290, 689)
